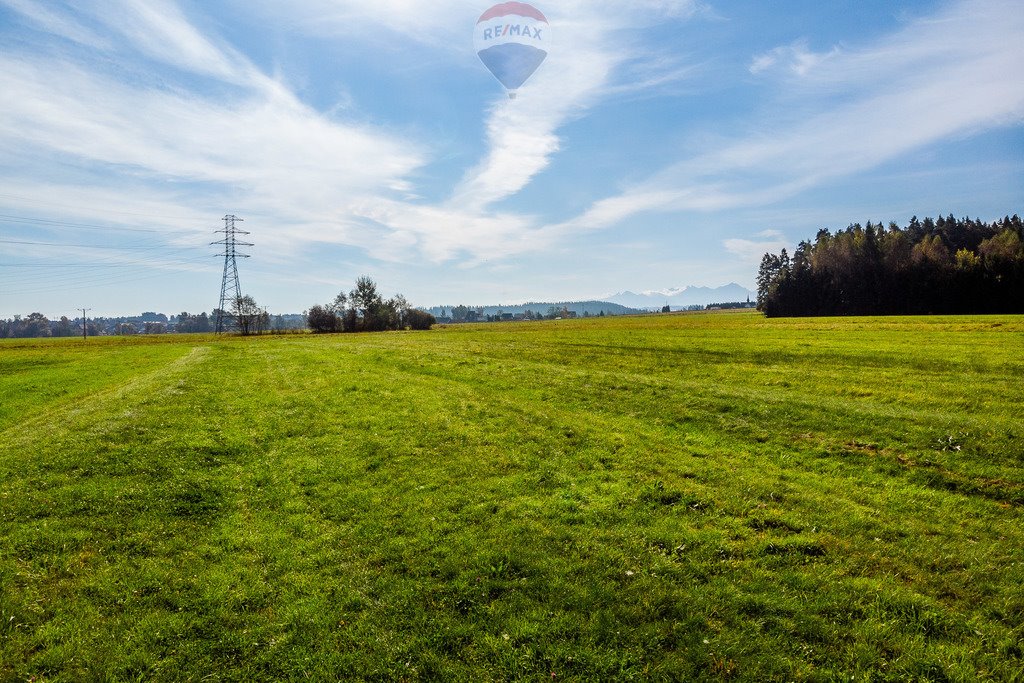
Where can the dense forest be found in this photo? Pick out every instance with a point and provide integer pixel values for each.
(938, 266)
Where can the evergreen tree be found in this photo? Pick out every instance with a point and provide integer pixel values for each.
(946, 265)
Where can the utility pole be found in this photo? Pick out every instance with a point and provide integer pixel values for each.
(85, 328)
(230, 280)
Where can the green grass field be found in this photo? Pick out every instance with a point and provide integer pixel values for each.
(682, 497)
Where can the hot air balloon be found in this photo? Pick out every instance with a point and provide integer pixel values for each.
(512, 40)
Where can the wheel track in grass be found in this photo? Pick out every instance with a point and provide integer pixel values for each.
(980, 483)
(794, 398)
(965, 483)
(64, 414)
(393, 360)
(795, 395)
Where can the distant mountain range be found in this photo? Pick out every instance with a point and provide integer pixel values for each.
(681, 298)
(623, 303)
(578, 307)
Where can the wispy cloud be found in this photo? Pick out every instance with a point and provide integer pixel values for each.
(938, 78)
(522, 135)
(795, 58)
(265, 151)
(190, 125)
(401, 231)
(259, 146)
(159, 29)
(523, 138)
(57, 23)
(442, 23)
(750, 251)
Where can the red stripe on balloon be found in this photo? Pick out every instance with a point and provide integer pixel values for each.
(518, 8)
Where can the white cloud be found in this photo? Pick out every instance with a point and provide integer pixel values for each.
(62, 25)
(653, 74)
(158, 29)
(267, 143)
(795, 58)
(751, 251)
(521, 136)
(260, 147)
(401, 231)
(316, 178)
(436, 23)
(448, 23)
(947, 76)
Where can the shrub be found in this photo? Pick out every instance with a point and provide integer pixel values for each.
(419, 320)
(322, 319)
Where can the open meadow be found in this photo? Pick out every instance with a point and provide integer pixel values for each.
(673, 497)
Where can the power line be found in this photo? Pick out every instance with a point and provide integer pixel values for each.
(49, 203)
(124, 256)
(83, 246)
(144, 257)
(78, 281)
(68, 224)
(51, 271)
(156, 257)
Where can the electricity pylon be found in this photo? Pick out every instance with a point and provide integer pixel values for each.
(229, 284)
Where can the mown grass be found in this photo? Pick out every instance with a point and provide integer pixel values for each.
(659, 498)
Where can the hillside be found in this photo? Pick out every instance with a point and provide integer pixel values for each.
(580, 308)
(684, 297)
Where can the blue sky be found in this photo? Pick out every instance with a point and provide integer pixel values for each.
(663, 143)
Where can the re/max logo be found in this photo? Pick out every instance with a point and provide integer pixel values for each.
(512, 30)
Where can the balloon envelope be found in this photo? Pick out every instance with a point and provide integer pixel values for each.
(512, 40)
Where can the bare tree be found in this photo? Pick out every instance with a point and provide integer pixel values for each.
(247, 315)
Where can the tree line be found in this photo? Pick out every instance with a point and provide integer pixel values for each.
(38, 325)
(245, 319)
(467, 314)
(529, 311)
(942, 266)
(363, 309)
